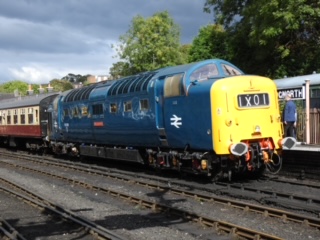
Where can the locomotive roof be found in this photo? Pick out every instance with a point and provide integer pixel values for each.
(24, 101)
(134, 83)
(292, 82)
(191, 66)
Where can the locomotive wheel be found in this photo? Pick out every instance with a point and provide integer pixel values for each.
(275, 164)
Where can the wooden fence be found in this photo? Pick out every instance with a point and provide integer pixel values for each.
(314, 122)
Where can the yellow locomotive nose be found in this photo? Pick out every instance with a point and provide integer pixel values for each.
(244, 109)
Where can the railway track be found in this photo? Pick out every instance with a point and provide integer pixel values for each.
(35, 200)
(190, 216)
(216, 225)
(289, 200)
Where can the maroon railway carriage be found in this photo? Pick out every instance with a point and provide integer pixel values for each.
(24, 121)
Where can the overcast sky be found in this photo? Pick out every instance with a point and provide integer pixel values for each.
(45, 39)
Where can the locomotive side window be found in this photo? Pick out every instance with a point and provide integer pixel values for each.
(113, 108)
(22, 116)
(84, 111)
(229, 70)
(173, 86)
(9, 117)
(144, 105)
(30, 115)
(0, 118)
(97, 109)
(75, 112)
(127, 106)
(204, 73)
(15, 116)
(66, 112)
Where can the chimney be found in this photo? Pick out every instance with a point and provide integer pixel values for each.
(50, 89)
(30, 91)
(41, 90)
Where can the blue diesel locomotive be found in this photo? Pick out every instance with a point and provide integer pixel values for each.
(205, 117)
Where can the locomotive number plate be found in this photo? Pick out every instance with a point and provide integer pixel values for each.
(253, 100)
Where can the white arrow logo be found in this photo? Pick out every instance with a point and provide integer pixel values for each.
(176, 121)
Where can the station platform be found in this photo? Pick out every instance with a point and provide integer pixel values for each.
(306, 147)
(302, 161)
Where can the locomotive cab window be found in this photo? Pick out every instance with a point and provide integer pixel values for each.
(173, 86)
(229, 70)
(205, 72)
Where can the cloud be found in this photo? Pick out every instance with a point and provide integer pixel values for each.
(42, 40)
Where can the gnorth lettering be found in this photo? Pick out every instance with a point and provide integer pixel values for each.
(253, 100)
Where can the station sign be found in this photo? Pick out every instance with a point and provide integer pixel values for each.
(297, 93)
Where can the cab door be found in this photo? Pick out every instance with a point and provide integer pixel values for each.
(170, 109)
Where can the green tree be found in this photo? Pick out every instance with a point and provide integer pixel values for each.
(282, 37)
(60, 85)
(211, 42)
(12, 86)
(149, 44)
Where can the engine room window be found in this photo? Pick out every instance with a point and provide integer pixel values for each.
(113, 108)
(66, 112)
(144, 104)
(84, 111)
(75, 112)
(205, 72)
(127, 106)
(97, 109)
(229, 70)
(173, 86)
(0, 120)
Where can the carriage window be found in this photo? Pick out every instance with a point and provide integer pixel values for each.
(22, 116)
(113, 108)
(144, 104)
(229, 70)
(127, 106)
(173, 86)
(15, 116)
(9, 117)
(30, 115)
(37, 116)
(205, 72)
(97, 109)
